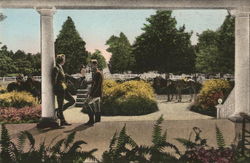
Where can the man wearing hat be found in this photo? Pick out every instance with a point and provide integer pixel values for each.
(60, 89)
(93, 102)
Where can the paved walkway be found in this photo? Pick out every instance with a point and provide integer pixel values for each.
(169, 110)
(100, 134)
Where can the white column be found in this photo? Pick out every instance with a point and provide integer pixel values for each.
(48, 61)
(242, 63)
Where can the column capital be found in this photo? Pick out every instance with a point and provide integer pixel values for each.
(240, 12)
(46, 11)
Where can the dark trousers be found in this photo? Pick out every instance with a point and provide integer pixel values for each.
(61, 96)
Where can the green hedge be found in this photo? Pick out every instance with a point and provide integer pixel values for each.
(128, 98)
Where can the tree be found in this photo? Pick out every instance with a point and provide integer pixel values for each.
(2, 17)
(100, 59)
(226, 45)
(19, 62)
(207, 52)
(121, 59)
(162, 47)
(70, 43)
(215, 49)
(6, 62)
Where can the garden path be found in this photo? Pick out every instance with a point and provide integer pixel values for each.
(169, 110)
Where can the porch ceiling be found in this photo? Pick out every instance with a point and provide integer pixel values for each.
(126, 4)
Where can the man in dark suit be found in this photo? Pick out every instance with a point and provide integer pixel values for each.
(93, 102)
(60, 89)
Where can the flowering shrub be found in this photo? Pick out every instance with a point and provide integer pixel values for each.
(128, 98)
(17, 99)
(211, 91)
(201, 154)
(14, 115)
(2, 89)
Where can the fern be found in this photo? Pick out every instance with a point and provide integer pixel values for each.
(121, 141)
(69, 139)
(5, 144)
(89, 155)
(31, 139)
(112, 142)
(157, 131)
(21, 140)
(57, 147)
(186, 143)
(75, 146)
(219, 138)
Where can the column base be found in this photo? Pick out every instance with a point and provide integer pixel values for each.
(237, 117)
(47, 123)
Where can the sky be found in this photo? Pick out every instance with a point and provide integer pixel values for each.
(21, 28)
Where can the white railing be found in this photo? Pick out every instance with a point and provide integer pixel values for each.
(114, 77)
(12, 79)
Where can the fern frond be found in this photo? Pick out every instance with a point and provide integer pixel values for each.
(219, 138)
(52, 141)
(121, 142)
(143, 150)
(5, 144)
(166, 144)
(112, 142)
(76, 145)
(13, 151)
(57, 147)
(69, 139)
(156, 136)
(31, 139)
(186, 143)
(131, 142)
(42, 150)
(21, 140)
(89, 155)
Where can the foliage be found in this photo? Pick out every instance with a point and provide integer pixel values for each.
(219, 138)
(65, 150)
(199, 151)
(209, 94)
(124, 149)
(2, 17)
(19, 62)
(17, 99)
(2, 89)
(70, 43)
(215, 49)
(162, 47)
(121, 60)
(211, 91)
(20, 115)
(100, 59)
(128, 98)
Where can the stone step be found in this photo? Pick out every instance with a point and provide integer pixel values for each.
(80, 99)
(82, 91)
(81, 96)
(79, 104)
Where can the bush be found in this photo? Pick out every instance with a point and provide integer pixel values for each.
(128, 98)
(208, 96)
(21, 115)
(17, 99)
(212, 90)
(2, 89)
